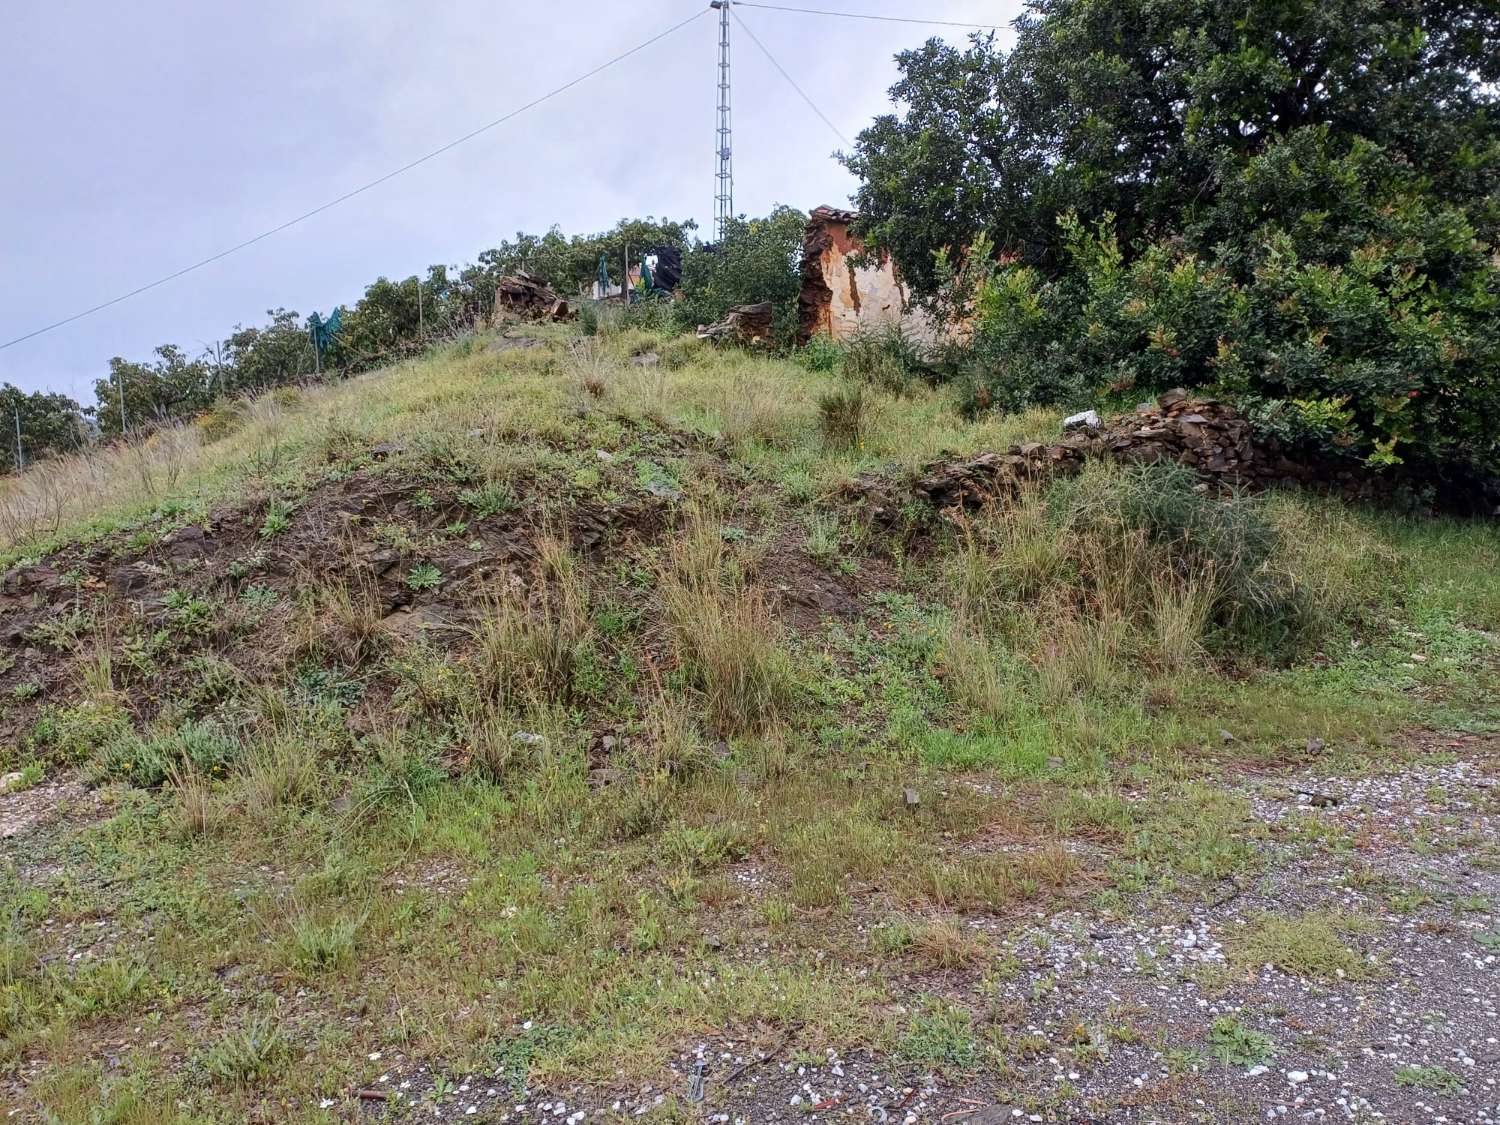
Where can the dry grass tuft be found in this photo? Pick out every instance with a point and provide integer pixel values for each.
(527, 648)
(723, 630)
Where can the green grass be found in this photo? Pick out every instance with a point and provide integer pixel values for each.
(1234, 1044)
(1311, 946)
(1431, 1079)
(639, 788)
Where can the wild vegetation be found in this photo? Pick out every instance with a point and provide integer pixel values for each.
(437, 718)
(394, 319)
(537, 722)
(1294, 205)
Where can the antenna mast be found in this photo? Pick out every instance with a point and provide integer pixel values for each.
(724, 182)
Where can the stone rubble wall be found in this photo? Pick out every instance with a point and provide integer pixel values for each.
(1203, 434)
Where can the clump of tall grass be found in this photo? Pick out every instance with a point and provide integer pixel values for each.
(723, 630)
(340, 619)
(527, 648)
(843, 415)
(1143, 564)
(591, 367)
(885, 356)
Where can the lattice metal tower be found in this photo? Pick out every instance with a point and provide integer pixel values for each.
(724, 181)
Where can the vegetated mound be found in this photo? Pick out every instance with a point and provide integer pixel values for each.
(520, 677)
(392, 547)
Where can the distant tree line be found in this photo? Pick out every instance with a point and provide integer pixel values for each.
(757, 262)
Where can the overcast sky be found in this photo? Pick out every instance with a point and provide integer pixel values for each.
(141, 137)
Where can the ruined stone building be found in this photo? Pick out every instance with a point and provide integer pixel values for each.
(840, 296)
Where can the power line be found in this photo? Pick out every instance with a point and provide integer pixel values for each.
(790, 80)
(866, 16)
(361, 189)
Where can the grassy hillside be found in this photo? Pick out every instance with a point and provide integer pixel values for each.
(531, 722)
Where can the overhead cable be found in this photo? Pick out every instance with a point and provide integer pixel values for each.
(792, 82)
(407, 167)
(866, 16)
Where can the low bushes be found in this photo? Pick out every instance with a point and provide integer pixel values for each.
(1140, 562)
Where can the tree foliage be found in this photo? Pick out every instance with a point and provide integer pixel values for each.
(1297, 202)
(49, 423)
(757, 260)
(392, 318)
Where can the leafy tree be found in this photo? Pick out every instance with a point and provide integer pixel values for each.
(49, 423)
(757, 260)
(1144, 108)
(570, 265)
(173, 386)
(258, 358)
(1295, 202)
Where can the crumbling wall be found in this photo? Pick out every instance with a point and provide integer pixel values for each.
(839, 297)
(1204, 434)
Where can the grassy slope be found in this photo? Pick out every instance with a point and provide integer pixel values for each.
(367, 860)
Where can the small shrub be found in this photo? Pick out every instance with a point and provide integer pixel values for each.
(223, 418)
(151, 760)
(72, 734)
(278, 519)
(189, 614)
(825, 537)
(424, 576)
(682, 351)
(885, 356)
(404, 771)
(821, 353)
(941, 1034)
(488, 500)
(323, 946)
(843, 415)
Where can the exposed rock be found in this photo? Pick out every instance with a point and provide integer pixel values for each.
(745, 324)
(30, 579)
(1200, 433)
(189, 542)
(382, 559)
(528, 296)
(132, 578)
(1085, 419)
(413, 622)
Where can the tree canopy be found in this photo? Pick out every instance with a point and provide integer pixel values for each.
(1298, 202)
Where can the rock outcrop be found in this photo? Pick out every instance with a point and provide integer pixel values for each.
(530, 298)
(745, 324)
(1203, 434)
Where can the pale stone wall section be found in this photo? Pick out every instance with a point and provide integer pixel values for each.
(839, 298)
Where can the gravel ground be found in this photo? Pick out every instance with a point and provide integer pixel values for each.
(1112, 1022)
(1105, 1020)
